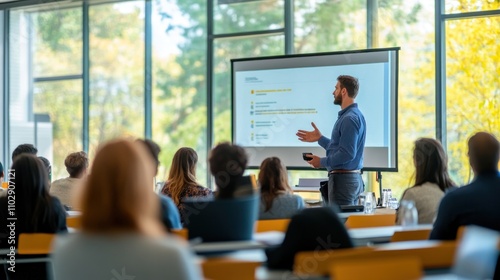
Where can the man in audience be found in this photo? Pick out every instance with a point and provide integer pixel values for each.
(24, 149)
(169, 213)
(2, 175)
(476, 203)
(227, 164)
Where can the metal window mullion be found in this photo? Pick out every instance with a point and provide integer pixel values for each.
(210, 101)
(440, 55)
(6, 91)
(148, 72)
(85, 75)
(289, 27)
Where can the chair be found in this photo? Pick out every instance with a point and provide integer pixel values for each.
(74, 222)
(409, 235)
(319, 262)
(182, 233)
(432, 254)
(35, 243)
(272, 225)
(229, 269)
(221, 219)
(364, 221)
(407, 267)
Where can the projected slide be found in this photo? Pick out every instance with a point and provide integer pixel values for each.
(274, 97)
(276, 103)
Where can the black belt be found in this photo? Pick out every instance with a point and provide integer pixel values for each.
(342, 171)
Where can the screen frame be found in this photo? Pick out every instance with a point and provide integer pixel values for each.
(394, 104)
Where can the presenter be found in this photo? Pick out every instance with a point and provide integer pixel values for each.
(344, 151)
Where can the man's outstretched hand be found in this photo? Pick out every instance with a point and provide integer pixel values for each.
(309, 136)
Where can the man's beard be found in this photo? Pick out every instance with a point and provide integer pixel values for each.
(337, 100)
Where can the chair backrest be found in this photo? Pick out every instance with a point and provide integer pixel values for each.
(409, 235)
(35, 243)
(221, 219)
(432, 254)
(74, 222)
(407, 267)
(229, 269)
(319, 262)
(364, 221)
(272, 225)
(182, 233)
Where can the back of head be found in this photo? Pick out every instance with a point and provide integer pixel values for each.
(117, 196)
(227, 165)
(32, 186)
(76, 163)
(48, 167)
(153, 149)
(182, 172)
(273, 179)
(431, 163)
(484, 152)
(350, 83)
(24, 149)
(1, 170)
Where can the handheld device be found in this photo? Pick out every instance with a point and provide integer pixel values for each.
(306, 157)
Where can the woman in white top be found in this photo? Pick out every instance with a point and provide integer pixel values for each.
(432, 180)
(277, 200)
(122, 236)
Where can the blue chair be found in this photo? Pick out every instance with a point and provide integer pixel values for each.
(215, 220)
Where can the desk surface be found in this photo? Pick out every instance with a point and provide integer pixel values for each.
(364, 236)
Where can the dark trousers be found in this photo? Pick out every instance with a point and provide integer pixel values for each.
(344, 188)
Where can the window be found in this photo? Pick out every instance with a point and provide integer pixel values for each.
(472, 87)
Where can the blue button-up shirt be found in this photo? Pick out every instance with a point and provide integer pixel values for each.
(345, 148)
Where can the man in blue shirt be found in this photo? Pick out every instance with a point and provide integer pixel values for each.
(344, 150)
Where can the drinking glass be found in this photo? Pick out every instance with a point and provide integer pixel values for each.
(369, 203)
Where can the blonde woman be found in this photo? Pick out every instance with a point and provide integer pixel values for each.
(121, 231)
(181, 181)
(277, 200)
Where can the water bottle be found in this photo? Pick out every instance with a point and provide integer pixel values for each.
(389, 196)
(409, 214)
(368, 203)
(384, 197)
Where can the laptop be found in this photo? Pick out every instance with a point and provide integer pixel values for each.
(477, 254)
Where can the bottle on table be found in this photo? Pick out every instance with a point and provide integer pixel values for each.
(409, 213)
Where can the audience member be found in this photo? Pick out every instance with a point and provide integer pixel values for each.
(227, 165)
(312, 229)
(169, 214)
(76, 165)
(277, 200)
(122, 235)
(477, 202)
(181, 181)
(24, 149)
(35, 211)
(48, 168)
(432, 180)
(2, 174)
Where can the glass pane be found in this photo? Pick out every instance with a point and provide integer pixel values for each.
(462, 6)
(323, 26)
(410, 25)
(224, 51)
(179, 83)
(61, 102)
(57, 42)
(47, 115)
(244, 16)
(472, 87)
(116, 71)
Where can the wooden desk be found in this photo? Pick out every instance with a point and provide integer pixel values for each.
(364, 236)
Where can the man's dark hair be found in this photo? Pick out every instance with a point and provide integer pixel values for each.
(484, 152)
(1, 170)
(227, 165)
(24, 149)
(350, 83)
(154, 150)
